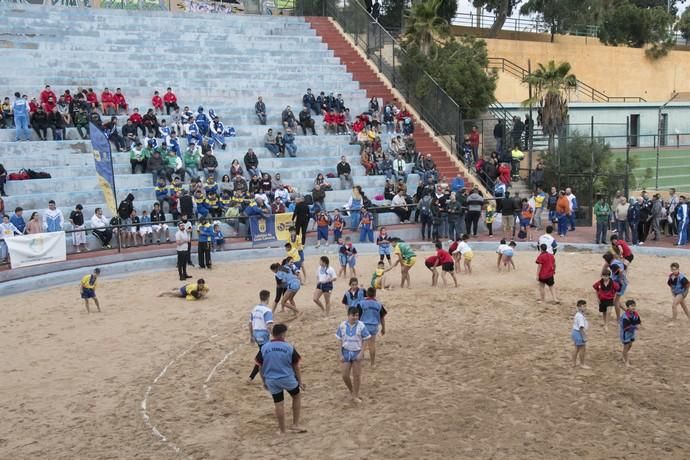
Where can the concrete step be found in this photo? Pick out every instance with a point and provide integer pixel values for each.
(69, 184)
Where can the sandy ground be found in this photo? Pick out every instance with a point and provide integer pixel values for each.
(475, 372)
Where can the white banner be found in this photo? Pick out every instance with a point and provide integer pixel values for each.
(37, 249)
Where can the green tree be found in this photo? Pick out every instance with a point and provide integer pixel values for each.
(550, 85)
(562, 16)
(683, 25)
(631, 25)
(392, 13)
(425, 26)
(459, 69)
(501, 8)
(448, 9)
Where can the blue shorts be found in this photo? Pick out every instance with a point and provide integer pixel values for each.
(322, 233)
(261, 337)
(621, 291)
(578, 339)
(373, 329)
(344, 260)
(276, 386)
(337, 234)
(627, 336)
(384, 250)
(298, 264)
(301, 256)
(293, 286)
(508, 253)
(88, 293)
(325, 287)
(349, 356)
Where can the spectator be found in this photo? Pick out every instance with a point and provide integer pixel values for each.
(53, 219)
(516, 156)
(35, 225)
(289, 142)
(137, 158)
(602, 211)
(107, 103)
(174, 166)
(92, 99)
(129, 133)
(474, 143)
(322, 102)
(499, 132)
(170, 101)
(138, 121)
(322, 182)
(562, 213)
(457, 184)
(251, 163)
(516, 133)
(76, 218)
(509, 208)
(17, 220)
(6, 113)
(151, 123)
(192, 159)
(400, 118)
(239, 185)
(385, 165)
(330, 122)
(671, 206)
(202, 121)
(236, 169)
(33, 106)
(156, 165)
(39, 122)
(111, 131)
(318, 195)
(81, 122)
(270, 142)
(157, 102)
(475, 202)
(20, 111)
(218, 132)
(389, 118)
(56, 123)
(572, 200)
(354, 205)
(276, 182)
(209, 164)
(306, 121)
(538, 175)
(119, 102)
(300, 216)
(280, 144)
(429, 168)
(634, 219)
(657, 215)
(389, 190)
(504, 174)
(344, 172)
(3, 180)
(399, 166)
(400, 206)
(278, 207)
(309, 103)
(7, 230)
(282, 193)
(260, 109)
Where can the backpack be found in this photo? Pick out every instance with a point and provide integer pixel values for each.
(425, 207)
(21, 175)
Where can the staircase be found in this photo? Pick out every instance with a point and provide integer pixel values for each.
(375, 87)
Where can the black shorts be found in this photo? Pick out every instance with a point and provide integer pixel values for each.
(548, 281)
(428, 265)
(448, 267)
(325, 287)
(280, 397)
(630, 258)
(279, 293)
(604, 305)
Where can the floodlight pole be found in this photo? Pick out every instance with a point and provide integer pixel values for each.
(658, 141)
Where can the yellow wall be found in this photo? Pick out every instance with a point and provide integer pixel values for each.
(616, 71)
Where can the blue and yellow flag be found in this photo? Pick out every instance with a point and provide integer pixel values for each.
(104, 165)
(270, 228)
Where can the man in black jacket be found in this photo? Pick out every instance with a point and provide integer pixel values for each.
(306, 121)
(209, 164)
(300, 216)
(509, 209)
(344, 172)
(110, 130)
(39, 122)
(309, 101)
(251, 163)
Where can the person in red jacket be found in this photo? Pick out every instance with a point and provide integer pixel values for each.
(504, 173)
(341, 126)
(138, 121)
(157, 102)
(606, 290)
(120, 101)
(33, 105)
(46, 94)
(474, 143)
(170, 101)
(107, 102)
(66, 99)
(92, 98)
(330, 122)
(358, 125)
(49, 105)
(400, 118)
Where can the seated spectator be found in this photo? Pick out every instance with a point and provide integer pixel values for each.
(56, 123)
(202, 121)
(400, 207)
(282, 193)
(276, 182)
(260, 109)
(173, 166)
(205, 146)
(120, 102)
(164, 131)
(281, 144)
(107, 103)
(236, 169)
(358, 126)
(185, 119)
(322, 182)
(6, 117)
(92, 99)
(239, 185)
(400, 119)
(266, 185)
(111, 130)
(46, 94)
(170, 101)
(344, 173)
(158, 225)
(156, 165)
(209, 164)
(157, 102)
(399, 166)
(389, 118)
(137, 121)
(306, 121)
(309, 102)
(374, 110)
(366, 159)
(408, 126)
(278, 206)
(255, 184)
(251, 163)
(218, 132)
(151, 123)
(137, 157)
(129, 132)
(339, 103)
(385, 165)
(16, 219)
(193, 131)
(39, 122)
(101, 229)
(270, 142)
(163, 193)
(389, 190)
(318, 194)
(289, 142)
(457, 184)
(322, 102)
(81, 122)
(288, 118)
(410, 147)
(192, 159)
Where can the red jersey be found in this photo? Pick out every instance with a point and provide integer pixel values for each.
(329, 118)
(107, 97)
(444, 257)
(33, 107)
(453, 246)
(402, 115)
(136, 118)
(49, 105)
(357, 126)
(547, 264)
(66, 99)
(45, 94)
(92, 98)
(624, 248)
(474, 138)
(170, 97)
(606, 291)
(157, 102)
(119, 99)
(431, 261)
(340, 119)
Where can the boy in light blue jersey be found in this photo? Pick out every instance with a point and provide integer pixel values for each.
(352, 333)
(260, 325)
(279, 364)
(372, 315)
(292, 285)
(354, 295)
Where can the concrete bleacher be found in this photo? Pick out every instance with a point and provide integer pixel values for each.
(219, 62)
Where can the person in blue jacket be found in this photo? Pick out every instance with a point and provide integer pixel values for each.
(20, 111)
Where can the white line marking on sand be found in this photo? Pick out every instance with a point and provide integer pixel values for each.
(215, 368)
(144, 403)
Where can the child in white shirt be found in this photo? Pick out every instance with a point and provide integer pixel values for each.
(579, 335)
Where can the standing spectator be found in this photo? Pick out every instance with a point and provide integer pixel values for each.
(457, 184)
(260, 109)
(300, 216)
(499, 133)
(475, 202)
(529, 129)
(508, 210)
(474, 143)
(20, 110)
(205, 243)
(76, 218)
(516, 134)
(621, 216)
(562, 213)
(657, 210)
(7, 230)
(573, 207)
(645, 217)
(182, 240)
(634, 220)
(170, 101)
(683, 219)
(35, 225)
(53, 219)
(671, 206)
(101, 229)
(602, 211)
(424, 212)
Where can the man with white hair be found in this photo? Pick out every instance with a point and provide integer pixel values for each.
(573, 207)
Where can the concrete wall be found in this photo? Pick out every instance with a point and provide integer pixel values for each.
(616, 71)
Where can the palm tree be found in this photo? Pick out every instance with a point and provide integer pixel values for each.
(425, 26)
(550, 87)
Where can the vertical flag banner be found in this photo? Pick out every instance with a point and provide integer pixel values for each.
(104, 165)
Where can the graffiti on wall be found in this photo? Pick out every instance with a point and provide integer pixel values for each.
(134, 4)
(192, 6)
(69, 3)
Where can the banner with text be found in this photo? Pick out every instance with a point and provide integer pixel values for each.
(271, 228)
(37, 249)
(104, 166)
